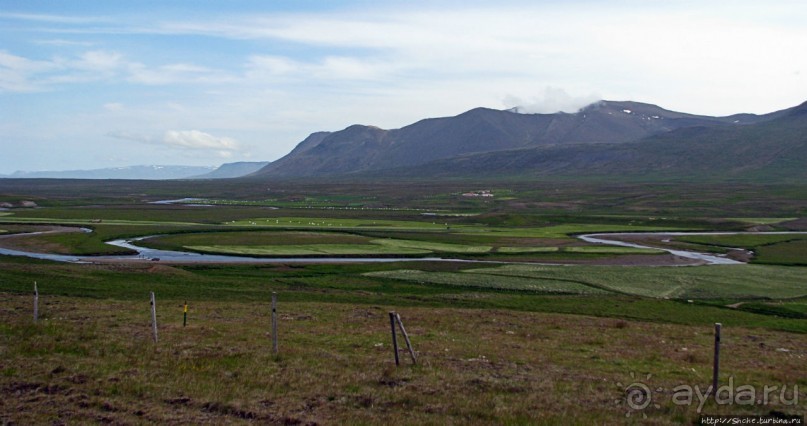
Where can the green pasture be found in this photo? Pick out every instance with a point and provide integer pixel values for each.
(337, 223)
(556, 231)
(617, 292)
(491, 281)
(761, 220)
(713, 282)
(309, 250)
(747, 241)
(432, 246)
(90, 222)
(785, 249)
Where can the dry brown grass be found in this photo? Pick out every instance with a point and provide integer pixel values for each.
(93, 361)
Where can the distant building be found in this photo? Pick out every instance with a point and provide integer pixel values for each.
(480, 193)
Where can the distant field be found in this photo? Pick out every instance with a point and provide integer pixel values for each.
(787, 253)
(432, 246)
(310, 250)
(375, 247)
(580, 249)
(556, 231)
(769, 249)
(748, 241)
(527, 249)
(714, 282)
(762, 220)
(492, 281)
(610, 250)
(336, 223)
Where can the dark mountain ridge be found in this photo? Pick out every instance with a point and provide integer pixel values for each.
(767, 149)
(363, 149)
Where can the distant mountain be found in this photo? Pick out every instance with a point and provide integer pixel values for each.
(233, 170)
(132, 172)
(362, 149)
(766, 150)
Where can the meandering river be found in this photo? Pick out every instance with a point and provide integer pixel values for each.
(149, 254)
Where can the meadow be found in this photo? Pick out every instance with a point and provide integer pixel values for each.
(501, 337)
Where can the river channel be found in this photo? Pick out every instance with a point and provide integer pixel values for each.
(168, 256)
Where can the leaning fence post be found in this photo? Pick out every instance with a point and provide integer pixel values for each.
(274, 322)
(406, 337)
(154, 316)
(394, 338)
(36, 303)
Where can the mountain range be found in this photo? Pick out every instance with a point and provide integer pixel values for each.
(129, 172)
(228, 170)
(608, 138)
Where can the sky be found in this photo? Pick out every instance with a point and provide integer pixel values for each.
(95, 84)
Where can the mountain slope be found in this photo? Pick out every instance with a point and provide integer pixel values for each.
(359, 149)
(775, 149)
(233, 170)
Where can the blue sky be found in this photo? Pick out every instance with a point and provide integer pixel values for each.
(92, 84)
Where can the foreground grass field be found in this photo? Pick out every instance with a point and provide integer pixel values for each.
(92, 360)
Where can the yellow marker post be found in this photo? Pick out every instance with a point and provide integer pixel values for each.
(185, 315)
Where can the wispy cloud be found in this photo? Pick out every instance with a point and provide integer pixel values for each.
(553, 99)
(54, 19)
(21, 74)
(17, 73)
(193, 140)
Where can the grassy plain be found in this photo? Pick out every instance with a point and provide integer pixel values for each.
(770, 249)
(497, 343)
(92, 361)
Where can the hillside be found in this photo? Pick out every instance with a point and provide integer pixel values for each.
(361, 149)
(233, 170)
(766, 150)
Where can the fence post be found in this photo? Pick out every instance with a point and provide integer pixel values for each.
(394, 338)
(406, 337)
(716, 367)
(185, 315)
(36, 303)
(274, 322)
(154, 316)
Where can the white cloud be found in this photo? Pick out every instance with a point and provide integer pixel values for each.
(194, 139)
(54, 19)
(187, 140)
(16, 73)
(98, 61)
(329, 68)
(553, 100)
(114, 106)
(175, 74)
(21, 74)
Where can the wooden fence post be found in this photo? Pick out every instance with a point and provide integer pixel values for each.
(154, 316)
(716, 367)
(406, 337)
(36, 303)
(274, 322)
(394, 338)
